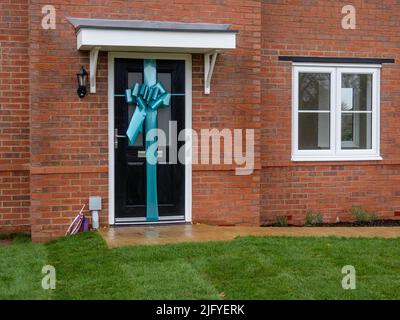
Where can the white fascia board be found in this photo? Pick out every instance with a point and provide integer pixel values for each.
(147, 40)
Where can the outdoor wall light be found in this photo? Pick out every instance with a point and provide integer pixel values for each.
(82, 80)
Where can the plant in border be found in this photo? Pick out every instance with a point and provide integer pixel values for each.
(281, 221)
(314, 218)
(361, 215)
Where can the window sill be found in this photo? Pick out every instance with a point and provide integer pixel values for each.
(337, 158)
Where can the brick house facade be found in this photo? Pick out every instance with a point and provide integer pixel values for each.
(54, 146)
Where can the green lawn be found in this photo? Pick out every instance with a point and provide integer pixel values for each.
(246, 268)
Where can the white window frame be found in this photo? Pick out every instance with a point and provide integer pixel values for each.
(336, 153)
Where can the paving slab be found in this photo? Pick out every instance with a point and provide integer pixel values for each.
(177, 233)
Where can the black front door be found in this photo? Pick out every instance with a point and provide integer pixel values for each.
(130, 161)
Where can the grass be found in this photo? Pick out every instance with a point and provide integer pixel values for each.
(246, 268)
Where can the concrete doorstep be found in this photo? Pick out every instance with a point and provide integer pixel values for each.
(177, 233)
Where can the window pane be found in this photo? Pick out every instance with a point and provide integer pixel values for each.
(356, 92)
(314, 131)
(134, 77)
(164, 114)
(356, 131)
(347, 127)
(314, 91)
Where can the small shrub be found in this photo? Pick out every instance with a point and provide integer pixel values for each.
(373, 217)
(313, 218)
(281, 221)
(361, 215)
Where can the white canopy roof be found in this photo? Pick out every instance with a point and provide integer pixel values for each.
(155, 36)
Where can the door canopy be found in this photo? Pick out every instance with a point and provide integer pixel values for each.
(96, 35)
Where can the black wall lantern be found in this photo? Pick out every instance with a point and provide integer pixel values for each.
(82, 80)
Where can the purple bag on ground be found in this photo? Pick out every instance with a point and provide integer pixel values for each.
(85, 224)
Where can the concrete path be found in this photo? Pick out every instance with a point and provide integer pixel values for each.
(163, 234)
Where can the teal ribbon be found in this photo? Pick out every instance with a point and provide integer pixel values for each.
(148, 97)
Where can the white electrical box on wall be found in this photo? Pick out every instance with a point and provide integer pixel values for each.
(94, 203)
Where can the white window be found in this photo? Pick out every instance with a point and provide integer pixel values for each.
(335, 112)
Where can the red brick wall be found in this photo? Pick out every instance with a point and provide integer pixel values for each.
(223, 198)
(14, 116)
(313, 28)
(58, 197)
(14, 201)
(69, 136)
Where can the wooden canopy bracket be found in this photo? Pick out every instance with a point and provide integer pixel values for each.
(209, 63)
(94, 54)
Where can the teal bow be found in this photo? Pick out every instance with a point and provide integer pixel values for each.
(145, 97)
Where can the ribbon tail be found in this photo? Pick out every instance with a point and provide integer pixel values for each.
(136, 124)
(151, 168)
(150, 79)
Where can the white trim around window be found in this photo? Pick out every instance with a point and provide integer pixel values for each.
(329, 113)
